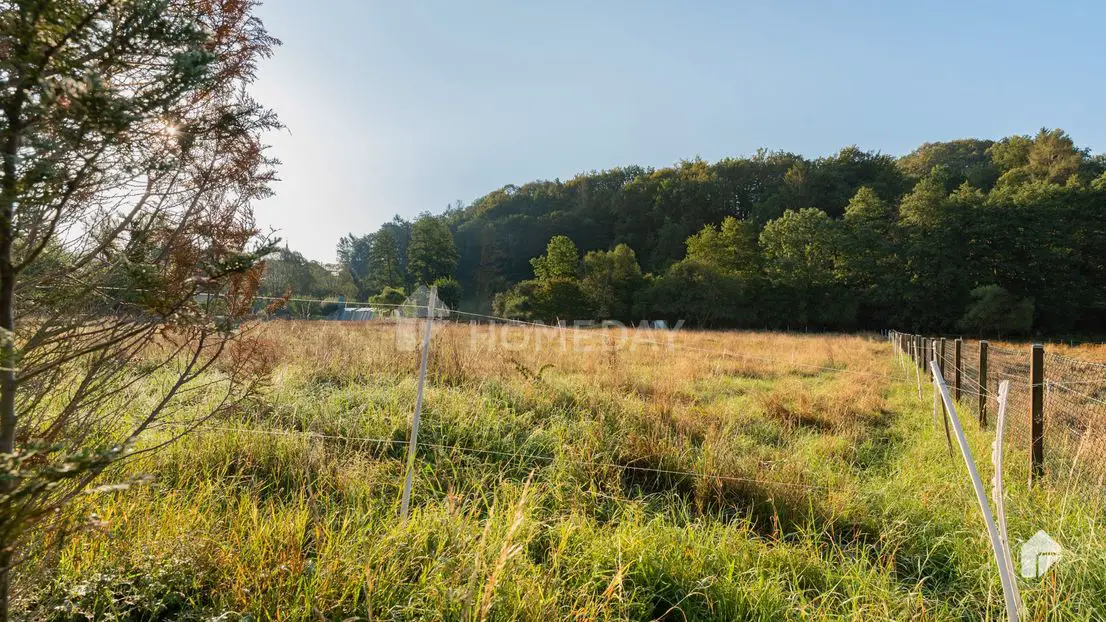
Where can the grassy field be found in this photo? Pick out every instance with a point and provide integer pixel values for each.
(756, 476)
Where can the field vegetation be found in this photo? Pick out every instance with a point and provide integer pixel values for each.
(560, 475)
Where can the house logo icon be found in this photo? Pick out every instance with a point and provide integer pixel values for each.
(1038, 554)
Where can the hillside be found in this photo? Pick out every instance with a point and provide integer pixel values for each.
(994, 237)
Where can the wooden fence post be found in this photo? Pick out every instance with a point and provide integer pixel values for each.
(943, 357)
(956, 368)
(931, 353)
(1037, 413)
(983, 383)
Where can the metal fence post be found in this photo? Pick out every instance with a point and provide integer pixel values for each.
(1037, 413)
(412, 446)
(983, 383)
(956, 367)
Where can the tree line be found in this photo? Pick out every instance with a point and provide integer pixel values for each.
(999, 237)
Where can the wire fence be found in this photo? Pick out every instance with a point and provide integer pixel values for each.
(1067, 447)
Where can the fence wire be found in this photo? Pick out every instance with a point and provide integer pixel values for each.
(1074, 408)
(1075, 421)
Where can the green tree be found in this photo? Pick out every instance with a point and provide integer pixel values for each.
(431, 253)
(1054, 157)
(547, 300)
(994, 311)
(1050, 157)
(800, 251)
(867, 261)
(611, 281)
(732, 246)
(449, 291)
(382, 262)
(700, 294)
(353, 257)
(966, 160)
(389, 298)
(561, 260)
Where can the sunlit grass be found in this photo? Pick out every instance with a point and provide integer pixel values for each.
(737, 476)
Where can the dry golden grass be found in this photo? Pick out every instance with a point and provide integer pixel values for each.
(591, 474)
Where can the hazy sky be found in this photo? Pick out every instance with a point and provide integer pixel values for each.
(403, 107)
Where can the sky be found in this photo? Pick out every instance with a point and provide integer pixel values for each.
(405, 107)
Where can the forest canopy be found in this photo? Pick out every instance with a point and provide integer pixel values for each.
(1001, 237)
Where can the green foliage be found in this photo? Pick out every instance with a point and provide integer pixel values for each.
(431, 253)
(968, 160)
(853, 239)
(377, 260)
(800, 251)
(731, 247)
(995, 312)
(449, 291)
(799, 248)
(560, 261)
(548, 300)
(701, 294)
(389, 297)
(611, 281)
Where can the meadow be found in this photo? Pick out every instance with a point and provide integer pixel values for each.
(563, 475)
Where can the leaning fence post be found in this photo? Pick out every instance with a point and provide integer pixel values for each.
(956, 367)
(405, 502)
(1037, 412)
(983, 383)
(1010, 592)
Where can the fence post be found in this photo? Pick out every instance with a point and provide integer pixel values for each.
(944, 357)
(999, 544)
(412, 446)
(1037, 413)
(983, 383)
(935, 371)
(927, 346)
(956, 367)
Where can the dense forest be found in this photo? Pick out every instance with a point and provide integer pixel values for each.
(997, 237)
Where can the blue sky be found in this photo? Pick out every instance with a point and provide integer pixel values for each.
(404, 107)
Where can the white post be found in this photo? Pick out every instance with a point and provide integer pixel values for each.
(998, 493)
(1009, 587)
(405, 502)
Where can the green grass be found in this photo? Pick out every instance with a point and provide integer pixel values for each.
(840, 502)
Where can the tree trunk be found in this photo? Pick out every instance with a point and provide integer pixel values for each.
(8, 361)
(8, 357)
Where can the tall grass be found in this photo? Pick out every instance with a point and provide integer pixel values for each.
(790, 477)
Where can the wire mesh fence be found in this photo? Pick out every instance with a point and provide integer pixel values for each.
(1071, 434)
(1075, 421)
